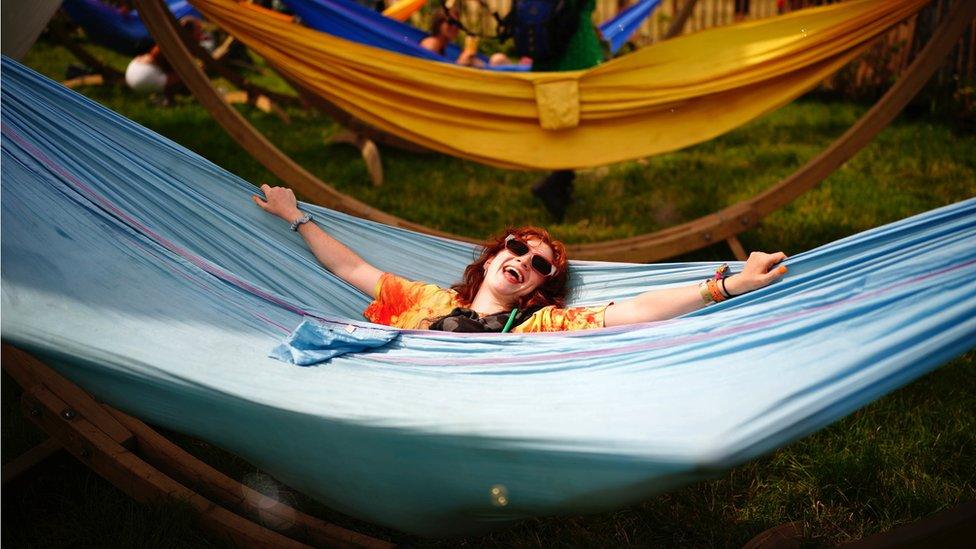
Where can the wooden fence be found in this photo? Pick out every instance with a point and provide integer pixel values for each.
(707, 13)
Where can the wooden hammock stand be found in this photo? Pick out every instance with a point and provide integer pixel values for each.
(103, 74)
(355, 132)
(724, 224)
(148, 467)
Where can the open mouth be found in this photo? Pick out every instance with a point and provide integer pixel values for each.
(513, 275)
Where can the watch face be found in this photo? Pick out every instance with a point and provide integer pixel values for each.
(300, 221)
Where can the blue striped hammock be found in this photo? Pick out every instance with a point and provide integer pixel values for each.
(357, 23)
(145, 274)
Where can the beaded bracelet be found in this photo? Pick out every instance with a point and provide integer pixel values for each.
(717, 295)
(710, 292)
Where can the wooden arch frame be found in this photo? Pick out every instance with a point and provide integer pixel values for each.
(724, 224)
(148, 467)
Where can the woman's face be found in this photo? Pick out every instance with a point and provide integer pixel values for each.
(449, 30)
(510, 276)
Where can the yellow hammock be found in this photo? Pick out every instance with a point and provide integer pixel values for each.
(401, 10)
(661, 98)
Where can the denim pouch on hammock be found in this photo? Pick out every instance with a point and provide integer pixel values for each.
(315, 341)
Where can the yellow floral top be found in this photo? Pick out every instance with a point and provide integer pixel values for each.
(403, 303)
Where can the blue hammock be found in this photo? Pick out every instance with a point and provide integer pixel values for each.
(122, 32)
(349, 20)
(145, 274)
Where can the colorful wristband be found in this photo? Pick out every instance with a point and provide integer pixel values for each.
(715, 292)
(705, 294)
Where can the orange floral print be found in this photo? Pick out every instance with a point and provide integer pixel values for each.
(403, 303)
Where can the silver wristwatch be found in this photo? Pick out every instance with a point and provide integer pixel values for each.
(300, 221)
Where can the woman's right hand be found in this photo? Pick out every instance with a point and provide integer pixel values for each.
(279, 201)
(760, 270)
(332, 254)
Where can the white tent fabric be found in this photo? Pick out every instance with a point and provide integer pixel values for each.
(21, 22)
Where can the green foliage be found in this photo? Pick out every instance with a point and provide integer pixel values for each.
(900, 459)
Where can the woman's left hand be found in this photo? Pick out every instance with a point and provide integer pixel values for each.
(469, 59)
(760, 270)
(279, 201)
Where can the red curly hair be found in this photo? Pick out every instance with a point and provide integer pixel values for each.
(552, 291)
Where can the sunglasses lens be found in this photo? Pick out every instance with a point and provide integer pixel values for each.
(519, 248)
(516, 246)
(542, 265)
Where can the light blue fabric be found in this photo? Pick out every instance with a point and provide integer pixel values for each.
(145, 274)
(352, 21)
(316, 342)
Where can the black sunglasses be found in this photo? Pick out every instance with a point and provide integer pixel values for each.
(520, 248)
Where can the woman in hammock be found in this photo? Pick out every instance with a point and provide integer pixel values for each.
(443, 31)
(517, 284)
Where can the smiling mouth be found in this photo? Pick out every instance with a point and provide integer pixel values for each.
(514, 273)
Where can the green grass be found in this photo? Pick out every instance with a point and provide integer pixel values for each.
(908, 455)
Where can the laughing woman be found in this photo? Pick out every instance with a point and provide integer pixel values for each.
(518, 284)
